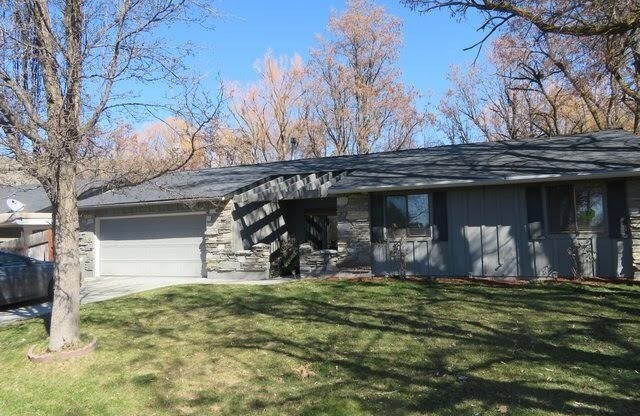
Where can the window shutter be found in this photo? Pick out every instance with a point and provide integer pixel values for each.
(535, 212)
(617, 209)
(376, 215)
(440, 222)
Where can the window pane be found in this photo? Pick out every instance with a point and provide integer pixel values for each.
(418, 210)
(561, 210)
(589, 207)
(396, 215)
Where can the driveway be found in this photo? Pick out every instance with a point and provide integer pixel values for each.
(104, 288)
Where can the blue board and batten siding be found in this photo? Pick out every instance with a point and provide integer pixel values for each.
(488, 236)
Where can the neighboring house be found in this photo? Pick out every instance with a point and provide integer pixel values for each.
(566, 205)
(24, 231)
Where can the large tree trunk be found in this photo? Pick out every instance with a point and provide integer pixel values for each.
(65, 316)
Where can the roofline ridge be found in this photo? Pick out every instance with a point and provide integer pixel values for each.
(415, 149)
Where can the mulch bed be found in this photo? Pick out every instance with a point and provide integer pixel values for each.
(48, 357)
(489, 281)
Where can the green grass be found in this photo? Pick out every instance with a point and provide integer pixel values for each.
(381, 348)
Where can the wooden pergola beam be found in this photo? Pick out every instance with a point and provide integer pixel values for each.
(273, 187)
(295, 187)
(324, 188)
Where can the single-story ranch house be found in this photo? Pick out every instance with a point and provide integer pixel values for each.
(538, 207)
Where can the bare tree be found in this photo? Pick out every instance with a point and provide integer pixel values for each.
(585, 51)
(66, 70)
(268, 114)
(347, 99)
(513, 99)
(478, 107)
(155, 143)
(11, 174)
(564, 17)
(540, 85)
(361, 103)
(461, 109)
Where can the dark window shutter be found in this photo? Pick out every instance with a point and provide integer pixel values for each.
(535, 212)
(376, 207)
(617, 209)
(440, 222)
(561, 209)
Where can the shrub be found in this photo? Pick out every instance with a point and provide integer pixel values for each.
(285, 260)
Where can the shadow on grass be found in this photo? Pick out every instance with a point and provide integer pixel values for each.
(398, 348)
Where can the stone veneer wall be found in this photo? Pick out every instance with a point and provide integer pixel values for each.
(222, 260)
(354, 238)
(87, 244)
(318, 263)
(633, 203)
(352, 257)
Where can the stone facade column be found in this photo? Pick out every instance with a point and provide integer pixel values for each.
(633, 203)
(223, 261)
(87, 244)
(218, 238)
(318, 263)
(354, 235)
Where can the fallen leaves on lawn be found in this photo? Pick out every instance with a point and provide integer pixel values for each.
(304, 371)
(503, 408)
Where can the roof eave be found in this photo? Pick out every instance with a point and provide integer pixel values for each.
(146, 203)
(511, 180)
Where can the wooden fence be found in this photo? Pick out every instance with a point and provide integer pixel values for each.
(37, 245)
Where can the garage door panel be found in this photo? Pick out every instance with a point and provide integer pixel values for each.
(145, 228)
(168, 269)
(152, 246)
(155, 252)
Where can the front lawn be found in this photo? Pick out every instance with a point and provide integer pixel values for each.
(341, 348)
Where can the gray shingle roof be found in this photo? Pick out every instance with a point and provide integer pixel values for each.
(605, 152)
(602, 153)
(32, 196)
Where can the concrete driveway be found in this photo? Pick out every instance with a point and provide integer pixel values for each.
(104, 288)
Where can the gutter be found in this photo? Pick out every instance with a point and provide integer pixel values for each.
(509, 180)
(147, 203)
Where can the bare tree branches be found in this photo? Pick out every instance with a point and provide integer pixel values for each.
(539, 87)
(555, 52)
(61, 67)
(574, 18)
(267, 115)
(348, 99)
(360, 101)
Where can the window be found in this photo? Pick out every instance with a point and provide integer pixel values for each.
(589, 207)
(575, 208)
(396, 216)
(418, 210)
(407, 215)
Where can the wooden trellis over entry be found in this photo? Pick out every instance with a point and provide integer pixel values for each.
(301, 186)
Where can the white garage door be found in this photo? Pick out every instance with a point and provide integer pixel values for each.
(169, 245)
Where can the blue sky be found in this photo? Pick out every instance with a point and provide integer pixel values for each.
(251, 27)
(248, 28)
